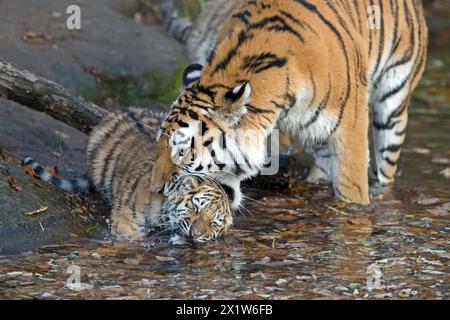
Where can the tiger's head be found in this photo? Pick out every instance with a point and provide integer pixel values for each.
(198, 206)
(212, 131)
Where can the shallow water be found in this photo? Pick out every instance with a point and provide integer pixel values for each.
(297, 244)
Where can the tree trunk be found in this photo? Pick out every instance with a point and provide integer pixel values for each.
(38, 93)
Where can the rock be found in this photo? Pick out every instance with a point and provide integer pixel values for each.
(25, 132)
(19, 232)
(35, 36)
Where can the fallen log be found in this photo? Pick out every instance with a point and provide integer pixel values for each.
(30, 90)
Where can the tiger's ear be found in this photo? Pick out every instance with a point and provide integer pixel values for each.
(235, 103)
(192, 73)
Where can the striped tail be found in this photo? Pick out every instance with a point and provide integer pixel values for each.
(75, 185)
(175, 25)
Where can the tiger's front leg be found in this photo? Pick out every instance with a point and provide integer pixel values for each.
(351, 148)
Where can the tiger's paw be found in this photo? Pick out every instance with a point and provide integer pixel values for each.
(353, 193)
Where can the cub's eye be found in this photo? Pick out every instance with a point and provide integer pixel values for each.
(219, 216)
(215, 224)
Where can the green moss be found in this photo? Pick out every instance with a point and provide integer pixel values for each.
(189, 8)
(145, 91)
(186, 8)
(148, 6)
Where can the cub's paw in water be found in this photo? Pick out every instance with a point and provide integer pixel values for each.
(124, 228)
(126, 231)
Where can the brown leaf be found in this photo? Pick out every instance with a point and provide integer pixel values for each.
(37, 211)
(32, 37)
(13, 183)
(133, 262)
(105, 251)
(285, 217)
(288, 234)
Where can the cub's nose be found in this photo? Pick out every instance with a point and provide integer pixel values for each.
(198, 229)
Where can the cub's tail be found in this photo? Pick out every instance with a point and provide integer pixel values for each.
(75, 185)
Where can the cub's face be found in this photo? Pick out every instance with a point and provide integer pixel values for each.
(199, 207)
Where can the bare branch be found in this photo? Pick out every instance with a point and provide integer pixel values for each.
(41, 94)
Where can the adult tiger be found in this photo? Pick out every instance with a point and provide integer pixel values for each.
(315, 68)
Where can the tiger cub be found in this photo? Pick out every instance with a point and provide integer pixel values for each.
(120, 157)
(315, 69)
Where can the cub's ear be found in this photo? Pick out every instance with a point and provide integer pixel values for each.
(235, 103)
(192, 73)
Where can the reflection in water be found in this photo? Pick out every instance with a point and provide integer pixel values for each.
(301, 244)
(350, 238)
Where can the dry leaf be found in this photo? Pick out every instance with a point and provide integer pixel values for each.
(32, 37)
(289, 234)
(284, 217)
(35, 212)
(133, 262)
(429, 201)
(105, 251)
(164, 259)
(14, 184)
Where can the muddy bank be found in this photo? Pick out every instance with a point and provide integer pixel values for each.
(33, 214)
